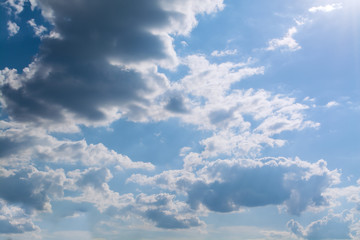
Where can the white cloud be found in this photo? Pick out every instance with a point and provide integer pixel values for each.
(286, 43)
(223, 53)
(17, 5)
(38, 29)
(13, 220)
(326, 8)
(13, 28)
(24, 143)
(332, 104)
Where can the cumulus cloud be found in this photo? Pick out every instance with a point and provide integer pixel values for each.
(167, 213)
(333, 226)
(13, 28)
(228, 185)
(31, 188)
(23, 144)
(285, 43)
(101, 67)
(326, 8)
(14, 220)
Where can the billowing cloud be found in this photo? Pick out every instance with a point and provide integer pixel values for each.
(333, 226)
(228, 185)
(32, 189)
(101, 65)
(23, 144)
(14, 220)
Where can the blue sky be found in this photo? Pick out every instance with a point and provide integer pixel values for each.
(212, 119)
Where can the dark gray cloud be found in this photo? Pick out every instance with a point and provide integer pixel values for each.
(169, 221)
(248, 187)
(228, 185)
(176, 104)
(240, 186)
(74, 74)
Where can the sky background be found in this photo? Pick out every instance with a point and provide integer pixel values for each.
(179, 119)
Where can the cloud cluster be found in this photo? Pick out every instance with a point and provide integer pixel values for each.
(228, 185)
(23, 144)
(14, 220)
(101, 65)
(333, 226)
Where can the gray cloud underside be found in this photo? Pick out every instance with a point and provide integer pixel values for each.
(73, 73)
(226, 186)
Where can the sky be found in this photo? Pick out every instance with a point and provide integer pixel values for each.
(179, 119)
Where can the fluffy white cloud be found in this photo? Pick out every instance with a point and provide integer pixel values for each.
(285, 43)
(13, 28)
(14, 220)
(25, 143)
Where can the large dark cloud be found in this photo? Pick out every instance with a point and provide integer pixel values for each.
(271, 184)
(73, 75)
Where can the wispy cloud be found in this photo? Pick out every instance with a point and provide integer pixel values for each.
(326, 8)
(223, 53)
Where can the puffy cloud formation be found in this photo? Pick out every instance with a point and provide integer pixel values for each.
(101, 64)
(165, 212)
(13, 28)
(228, 185)
(14, 220)
(23, 144)
(333, 226)
(31, 188)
